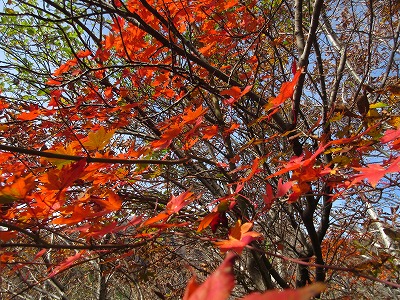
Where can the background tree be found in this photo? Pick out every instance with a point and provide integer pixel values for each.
(143, 139)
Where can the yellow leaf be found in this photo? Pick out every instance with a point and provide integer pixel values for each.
(378, 105)
(373, 113)
(99, 139)
(59, 163)
(395, 121)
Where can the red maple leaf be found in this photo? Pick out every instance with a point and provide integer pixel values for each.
(217, 286)
(69, 262)
(236, 93)
(191, 116)
(392, 137)
(168, 135)
(210, 132)
(84, 53)
(374, 172)
(175, 204)
(61, 179)
(287, 89)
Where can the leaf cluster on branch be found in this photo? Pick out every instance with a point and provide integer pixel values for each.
(143, 141)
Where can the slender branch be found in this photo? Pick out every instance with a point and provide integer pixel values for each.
(330, 267)
(303, 62)
(332, 37)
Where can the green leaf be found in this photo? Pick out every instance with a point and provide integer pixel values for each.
(4, 199)
(378, 105)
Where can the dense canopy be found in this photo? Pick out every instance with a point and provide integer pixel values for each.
(252, 143)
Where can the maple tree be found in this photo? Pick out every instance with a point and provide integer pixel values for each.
(144, 142)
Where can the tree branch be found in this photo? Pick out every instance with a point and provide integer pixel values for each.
(90, 159)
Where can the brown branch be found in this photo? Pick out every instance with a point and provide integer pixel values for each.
(303, 61)
(90, 159)
(74, 247)
(298, 22)
(330, 267)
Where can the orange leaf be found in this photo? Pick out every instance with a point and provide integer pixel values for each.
(236, 93)
(113, 202)
(3, 104)
(254, 170)
(210, 132)
(6, 257)
(217, 286)
(192, 116)
(83, 54)
(27, 116)
(159, 217)
(168, 135)
(228, 4)
(207, 48)
(190, 143)
(68, 150)
(7, 235)
(239, 237)
(231, 129)
(108, 92)
(207, 220)
(78, 214)
(61, 179)
(17, 190)
(175, 204)
(65, 67)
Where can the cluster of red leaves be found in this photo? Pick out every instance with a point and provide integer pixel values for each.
(219, 285)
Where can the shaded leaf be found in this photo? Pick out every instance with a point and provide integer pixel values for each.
(160, 217)
(69, 262)
(283, 188)
(206, 221)
(61, 179)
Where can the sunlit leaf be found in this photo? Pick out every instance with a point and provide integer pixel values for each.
(99, 139)
(239, 237)
(17, 190)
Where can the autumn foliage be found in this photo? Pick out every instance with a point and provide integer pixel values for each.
(222, 141)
